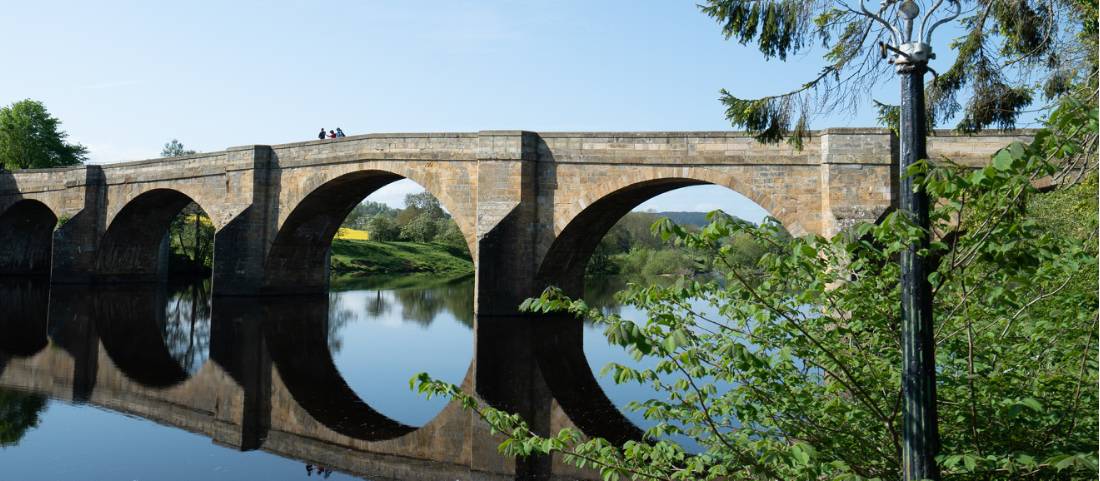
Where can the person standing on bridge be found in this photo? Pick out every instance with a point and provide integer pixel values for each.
(322, 134)
(339, 133)
(332, 134)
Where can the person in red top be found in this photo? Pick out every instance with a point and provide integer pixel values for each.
(332, 134)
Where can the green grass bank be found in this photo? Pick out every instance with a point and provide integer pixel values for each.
(365, 257)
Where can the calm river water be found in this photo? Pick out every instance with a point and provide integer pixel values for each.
(378, 334)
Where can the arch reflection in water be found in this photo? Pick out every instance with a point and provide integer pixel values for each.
(23, 317)
(273, 383)
(157, 334)
(379, 333)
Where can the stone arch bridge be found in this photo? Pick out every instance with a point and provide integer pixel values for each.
(532, 206)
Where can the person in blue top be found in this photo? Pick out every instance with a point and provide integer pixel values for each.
(322, 134)
(339, 133)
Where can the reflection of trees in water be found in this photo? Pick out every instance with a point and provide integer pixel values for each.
(377, 305)
(599, 292)
(337, 319)
(418, 304)
(19, 413)
(422, 305)
(186, 326)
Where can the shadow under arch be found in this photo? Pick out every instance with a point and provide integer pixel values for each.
(24, 317)
(559, 351)
(296, 335)
(564, 263)
(127, 320)
(298, 260)
(559, 343)
(131, 249)
(26, 237)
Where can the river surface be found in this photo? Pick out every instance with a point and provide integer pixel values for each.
(155, 342)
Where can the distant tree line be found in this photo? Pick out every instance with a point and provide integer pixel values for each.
(630, 248)
(421, 220)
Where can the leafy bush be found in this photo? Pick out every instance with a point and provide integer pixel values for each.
(382, 228)
(448, 234)
(421, 228)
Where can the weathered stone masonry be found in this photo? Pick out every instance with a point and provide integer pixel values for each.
(532, 206)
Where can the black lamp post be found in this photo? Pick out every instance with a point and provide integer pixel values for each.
(920, 435)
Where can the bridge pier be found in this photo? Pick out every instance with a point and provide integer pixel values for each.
(241, 245)
(858, 177)
(507, 211)
(76, 239)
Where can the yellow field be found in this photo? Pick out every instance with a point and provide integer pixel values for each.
(352, 234)
(204, 220)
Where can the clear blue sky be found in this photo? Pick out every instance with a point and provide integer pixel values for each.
(125, 77)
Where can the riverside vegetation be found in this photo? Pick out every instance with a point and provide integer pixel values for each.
(419, 238)
(630, 250)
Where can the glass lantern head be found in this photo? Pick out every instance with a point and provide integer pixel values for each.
(909, 10)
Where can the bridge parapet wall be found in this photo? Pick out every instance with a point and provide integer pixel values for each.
(60, 189)
(202, 177)
(679, 148)
(973, 150)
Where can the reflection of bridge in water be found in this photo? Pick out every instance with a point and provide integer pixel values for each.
(272, 384)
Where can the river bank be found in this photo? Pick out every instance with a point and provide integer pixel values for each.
(371, 258)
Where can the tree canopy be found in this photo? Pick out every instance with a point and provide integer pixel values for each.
(423, 219)
(30, 138)
(1008, 55)
(175, 148)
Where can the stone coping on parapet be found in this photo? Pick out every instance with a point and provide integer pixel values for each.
(406, 135)
(812, 133)
(49, 169)
(125, 163)
(549, 135)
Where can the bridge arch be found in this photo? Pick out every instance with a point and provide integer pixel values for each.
(131, 249)
(298, 256)
(26, 232)
(129, 325)
(580, 226)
